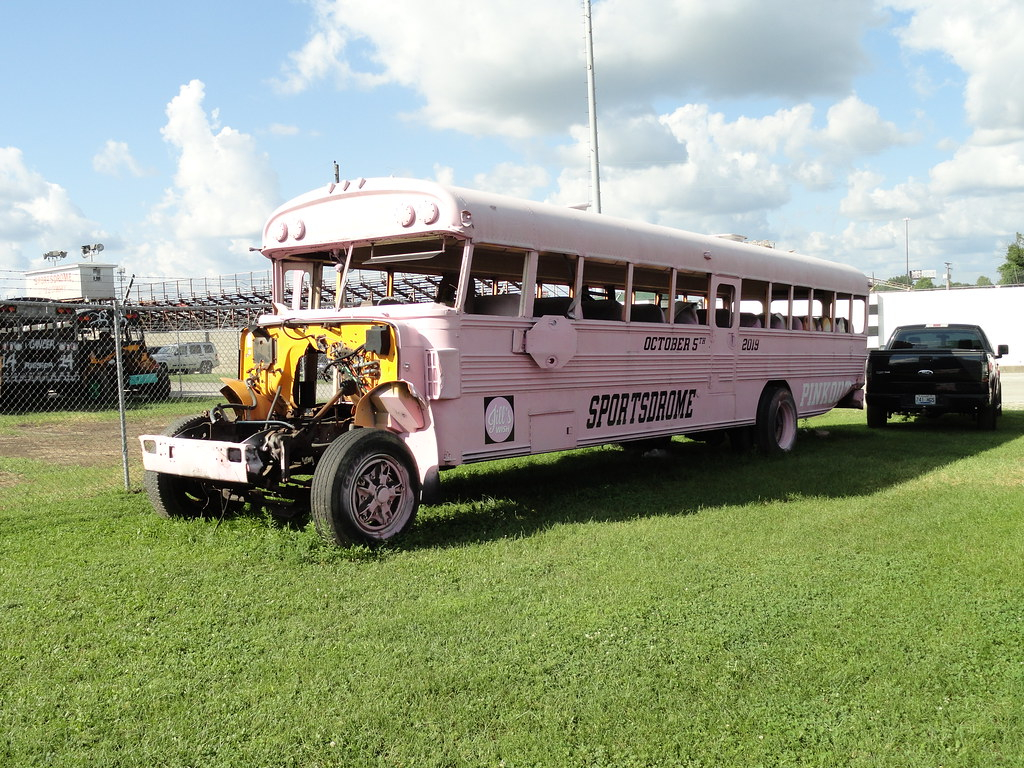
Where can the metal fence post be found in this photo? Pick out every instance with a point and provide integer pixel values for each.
(119, 359)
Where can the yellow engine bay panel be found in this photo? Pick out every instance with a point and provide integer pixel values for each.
(280, 365)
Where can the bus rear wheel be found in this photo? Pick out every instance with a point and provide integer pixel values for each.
(365, 489)
(776, 421)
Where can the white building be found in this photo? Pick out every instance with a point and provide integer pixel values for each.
(72, 282)
(997, 309)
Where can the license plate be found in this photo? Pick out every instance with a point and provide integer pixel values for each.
(924, 399)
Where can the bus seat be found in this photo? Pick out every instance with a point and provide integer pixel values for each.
(686, 313)
(841, 325)
(551, 305)
(778, 321)
(798, 324)
(749, 320)
(723, 318)
(826, 324)
(646, 313)
(601, 309)
(502, 304)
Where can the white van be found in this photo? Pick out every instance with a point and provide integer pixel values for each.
(194, 357)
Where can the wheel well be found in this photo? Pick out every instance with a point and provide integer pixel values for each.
(776, 384)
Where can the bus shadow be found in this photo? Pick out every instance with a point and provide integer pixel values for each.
(504, 500)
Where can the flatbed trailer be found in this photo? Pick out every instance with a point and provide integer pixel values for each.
(66, 351)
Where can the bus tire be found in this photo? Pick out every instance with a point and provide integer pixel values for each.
(877, 417)
(776, 426)
(365, 489)
(175, 497)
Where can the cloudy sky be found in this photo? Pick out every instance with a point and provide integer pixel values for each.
(169, 131)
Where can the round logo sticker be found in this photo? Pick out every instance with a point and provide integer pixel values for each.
(499, 419)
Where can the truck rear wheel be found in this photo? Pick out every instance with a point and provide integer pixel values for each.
(365, 489)
(877, 417)
(174, 496)
(987, 416)
(776, 421)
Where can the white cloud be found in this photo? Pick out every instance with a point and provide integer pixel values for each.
(980, 169)
(855, 128)
(983, 39)
(866, 199)
(512, 179)
(336, 28)
(223, 190)
(505, 67)
(116, 158)
(36, 215)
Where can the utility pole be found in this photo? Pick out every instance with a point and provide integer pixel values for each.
(906, 224)
(595, 179)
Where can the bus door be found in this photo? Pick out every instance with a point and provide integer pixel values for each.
(723, 319)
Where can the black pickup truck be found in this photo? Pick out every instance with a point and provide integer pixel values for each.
(932, 370)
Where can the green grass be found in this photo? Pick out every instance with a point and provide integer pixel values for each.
(857, 603)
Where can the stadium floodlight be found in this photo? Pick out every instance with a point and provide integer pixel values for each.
(88, 251)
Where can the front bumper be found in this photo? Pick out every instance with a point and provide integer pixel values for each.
(202, 459)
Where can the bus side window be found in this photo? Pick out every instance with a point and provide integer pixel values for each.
(724, 300)
(556, 277)
(689, 304)
(753, 303)
(686, 313)
(803, 311)
(650, 293)
(604, 290)
(496, 280)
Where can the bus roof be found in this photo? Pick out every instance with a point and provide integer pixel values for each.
(367, 210)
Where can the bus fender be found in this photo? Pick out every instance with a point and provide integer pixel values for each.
(394, 406)
(551, 342)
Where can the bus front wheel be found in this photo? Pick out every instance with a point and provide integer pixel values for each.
(365, 489)
(176, 497)
(776, 421)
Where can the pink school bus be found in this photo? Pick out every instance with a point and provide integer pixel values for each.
(417, 327)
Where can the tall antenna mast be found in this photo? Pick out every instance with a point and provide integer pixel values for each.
(595, 178)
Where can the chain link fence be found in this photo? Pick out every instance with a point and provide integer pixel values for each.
(121, 362)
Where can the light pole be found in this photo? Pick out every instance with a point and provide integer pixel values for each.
(906, 238)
